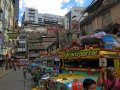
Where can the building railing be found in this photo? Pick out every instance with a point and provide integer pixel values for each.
(34, 55)
(21, 50)
(36, 47)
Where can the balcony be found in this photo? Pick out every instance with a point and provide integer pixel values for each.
(35, 41)
(36, 47)
(21, 49)
(34, 55)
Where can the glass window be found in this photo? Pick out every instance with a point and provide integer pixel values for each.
(21, 45)
(81, 63)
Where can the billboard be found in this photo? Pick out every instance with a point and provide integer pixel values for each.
(52, 30)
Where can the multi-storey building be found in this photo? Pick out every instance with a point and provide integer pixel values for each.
(16, 9)
(37, 40)
(71, 22)
(102, 14)
(32, 16)
(7, 25)
(42, 27)
(21, 52)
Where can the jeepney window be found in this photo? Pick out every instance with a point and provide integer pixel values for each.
(71, 63)
(81, 63)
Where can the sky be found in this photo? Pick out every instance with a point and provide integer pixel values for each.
(57, 7)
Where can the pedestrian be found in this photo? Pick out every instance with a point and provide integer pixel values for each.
(24, 72)
(89, 84)
(108, 80)
(14, 66)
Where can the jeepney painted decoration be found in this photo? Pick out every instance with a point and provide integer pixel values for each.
(80, 53)
(110, 42)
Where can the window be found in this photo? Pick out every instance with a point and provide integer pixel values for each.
(39, 20)
(21, 45)
(22, 37)
(81, 63)
(107, 18)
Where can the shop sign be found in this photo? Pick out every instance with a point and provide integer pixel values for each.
(12, 35)
(78, 53)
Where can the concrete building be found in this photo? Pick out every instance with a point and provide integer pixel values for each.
(71, 22)
(21, 52)
(17, 9)
(102, 17)
(7, 25)
(32, 16)
(73, 15)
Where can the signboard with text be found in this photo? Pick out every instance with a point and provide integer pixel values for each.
(102, 62)
(12, 35)
(80, 53)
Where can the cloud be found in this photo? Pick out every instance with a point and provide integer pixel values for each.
(66, 1)
(19, 23)
(48, 6)
(80, 2)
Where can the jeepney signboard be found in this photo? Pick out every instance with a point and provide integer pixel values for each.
(102, 62)
(80, 53)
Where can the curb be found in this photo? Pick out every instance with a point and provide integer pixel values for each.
(4, 73)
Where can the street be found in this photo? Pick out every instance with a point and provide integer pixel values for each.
(15, 81)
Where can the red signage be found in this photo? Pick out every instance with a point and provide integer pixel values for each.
(52, 29)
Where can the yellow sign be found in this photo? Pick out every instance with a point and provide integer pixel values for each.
(80, 53)
(12, 35)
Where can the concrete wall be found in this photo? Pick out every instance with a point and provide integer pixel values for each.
(115, 12)
(97, 22)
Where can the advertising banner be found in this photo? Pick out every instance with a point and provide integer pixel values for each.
(12, 35)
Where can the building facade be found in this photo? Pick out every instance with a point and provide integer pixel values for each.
(32, 16)
(16, 9)
(102, 17)
(21, 50)
(7, 25)
(71, 22)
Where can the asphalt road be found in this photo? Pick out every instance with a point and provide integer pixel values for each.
(15, 81)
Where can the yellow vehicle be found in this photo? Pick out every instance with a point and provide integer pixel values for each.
(89, 61)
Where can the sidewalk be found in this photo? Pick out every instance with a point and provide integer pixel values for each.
(4, 72)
